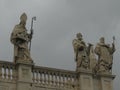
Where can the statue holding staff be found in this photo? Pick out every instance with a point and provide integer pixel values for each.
(20, 38)
(105, 56)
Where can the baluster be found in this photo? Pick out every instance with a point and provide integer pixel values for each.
(37, 79)
(50, 75)
(71, 82)
(59, 79)
(52, 78)
(48, 78)
(66, 80)
(14, 74)
(40, 77)
(33, 76)
(44, 78)
(42, 73)
(63, 83)
(5, 74)
(9, 75)
(56, 79)
(76, 82)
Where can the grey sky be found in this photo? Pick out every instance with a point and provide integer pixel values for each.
(57, 23)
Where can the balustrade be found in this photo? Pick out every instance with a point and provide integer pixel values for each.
(7, 71)
(54, 77)
(49, 77)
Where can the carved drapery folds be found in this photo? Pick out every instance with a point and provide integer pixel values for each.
(81, 54)
(105, 56)
(20, 38)
(86, 59)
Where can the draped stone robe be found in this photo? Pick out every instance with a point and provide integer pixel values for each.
(20, 39)
(81, 56)
(105, 57)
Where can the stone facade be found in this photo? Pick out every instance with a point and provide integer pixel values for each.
(23, 74)
(27, 76)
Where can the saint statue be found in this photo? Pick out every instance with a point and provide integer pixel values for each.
(92, 57)
(80, 50)
(105, 56)
(20, 38)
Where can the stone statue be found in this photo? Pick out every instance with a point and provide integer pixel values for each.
(105, 56)
(92, 57)
(80, 50)
(20, 38)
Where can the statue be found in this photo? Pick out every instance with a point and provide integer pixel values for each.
(80, 50)
(105, 56)
(20, 38)
(92, 57)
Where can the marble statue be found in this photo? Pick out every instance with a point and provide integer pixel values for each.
(105, 56)
(92, 58)
(20, 38)
(80, 49)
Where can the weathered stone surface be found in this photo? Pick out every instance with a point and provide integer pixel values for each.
(23, 74)
(105, 54)
(20, 38)
(80, 49)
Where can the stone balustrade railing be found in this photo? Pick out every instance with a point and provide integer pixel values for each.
(7, 71)
(42, 76)
(54, 77)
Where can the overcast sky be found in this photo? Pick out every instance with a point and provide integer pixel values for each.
(57, 23)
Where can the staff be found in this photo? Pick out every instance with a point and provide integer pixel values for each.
(113, 44)
(33, 19)
(113, 39)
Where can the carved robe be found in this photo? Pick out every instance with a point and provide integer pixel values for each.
(105, 57)
(20, 39)
(81, 56)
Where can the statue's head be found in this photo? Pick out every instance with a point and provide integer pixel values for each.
(23, 19)
(102, 40)
(79, 36)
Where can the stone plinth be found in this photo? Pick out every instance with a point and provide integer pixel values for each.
(85, 80)
(24, 69)
(107, 82)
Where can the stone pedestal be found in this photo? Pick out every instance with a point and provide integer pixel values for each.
(24, 75)
(107, 82)
(85, 80)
